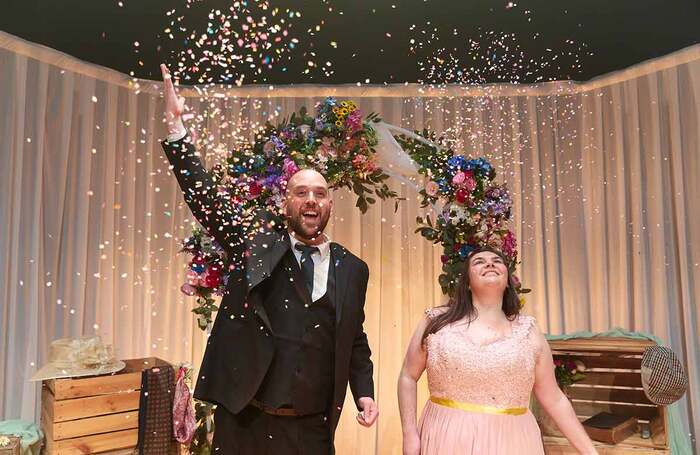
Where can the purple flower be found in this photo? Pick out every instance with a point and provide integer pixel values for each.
(278, 143)
(271, 180)
(497, 201)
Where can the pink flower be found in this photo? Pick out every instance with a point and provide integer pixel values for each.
(469, 181)
(359, 160)
(431, 188)
(459, 178)
(188, 290)
(516, 281)
(289, 168)
(327, 150)
(509, 244)
(354, 121)
(192, 278)
(363, 164)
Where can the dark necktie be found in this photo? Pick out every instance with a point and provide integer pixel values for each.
(307, 265)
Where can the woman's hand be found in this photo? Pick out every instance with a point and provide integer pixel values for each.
(411, 444)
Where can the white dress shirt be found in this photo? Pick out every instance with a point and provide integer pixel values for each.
(322, 262)
(179, 134)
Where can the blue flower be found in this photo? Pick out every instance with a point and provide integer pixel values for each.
(456, 163)
(199, 268)
(465, 250)
(444, 185)
(480, 165)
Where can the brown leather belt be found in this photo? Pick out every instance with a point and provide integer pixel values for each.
(287, 412)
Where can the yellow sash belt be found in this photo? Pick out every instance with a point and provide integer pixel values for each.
(477, 407)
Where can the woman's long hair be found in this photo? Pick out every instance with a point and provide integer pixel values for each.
(461, 305)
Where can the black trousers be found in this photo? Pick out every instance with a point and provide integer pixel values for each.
(253, 432)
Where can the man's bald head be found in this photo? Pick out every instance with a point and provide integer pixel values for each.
(308, 177)
(307, 205)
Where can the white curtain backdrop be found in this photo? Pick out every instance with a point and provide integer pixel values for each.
(605, 177)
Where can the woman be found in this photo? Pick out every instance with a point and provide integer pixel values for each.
(483, 361)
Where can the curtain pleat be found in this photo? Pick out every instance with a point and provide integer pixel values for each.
(604, 177)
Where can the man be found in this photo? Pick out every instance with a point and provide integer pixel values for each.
(288, 335)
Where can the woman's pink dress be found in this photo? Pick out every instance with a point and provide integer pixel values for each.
(499, 374)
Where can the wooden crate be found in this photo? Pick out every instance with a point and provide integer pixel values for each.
(93, 414)
(613, 384)
(11, 447)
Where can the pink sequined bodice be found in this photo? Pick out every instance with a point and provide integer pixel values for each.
(500, 373)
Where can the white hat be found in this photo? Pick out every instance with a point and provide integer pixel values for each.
(76, 357)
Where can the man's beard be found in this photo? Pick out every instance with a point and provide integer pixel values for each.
(296, 224)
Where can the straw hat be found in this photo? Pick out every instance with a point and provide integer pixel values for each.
(76, 357)
(663, 378)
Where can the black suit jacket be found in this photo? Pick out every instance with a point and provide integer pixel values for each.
(240, 348)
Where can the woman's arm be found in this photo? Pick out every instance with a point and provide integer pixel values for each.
(555, 402)
(413, 367)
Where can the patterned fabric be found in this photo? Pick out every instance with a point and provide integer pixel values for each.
(498, 375)
(184, 421)
(663, 378)
(156, 412)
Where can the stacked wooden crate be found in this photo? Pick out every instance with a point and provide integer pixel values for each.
(94, 414)
(613, 384)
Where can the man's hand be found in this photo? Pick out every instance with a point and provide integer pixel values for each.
(369, 413)
(174, 105)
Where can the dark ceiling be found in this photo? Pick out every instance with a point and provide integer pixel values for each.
(348, 41)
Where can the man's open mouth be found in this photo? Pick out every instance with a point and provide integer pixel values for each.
(310, 215)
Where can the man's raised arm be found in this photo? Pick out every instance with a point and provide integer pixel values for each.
(214, 210)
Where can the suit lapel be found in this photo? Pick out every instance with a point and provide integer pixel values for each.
(265, 252)
(342, 275)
